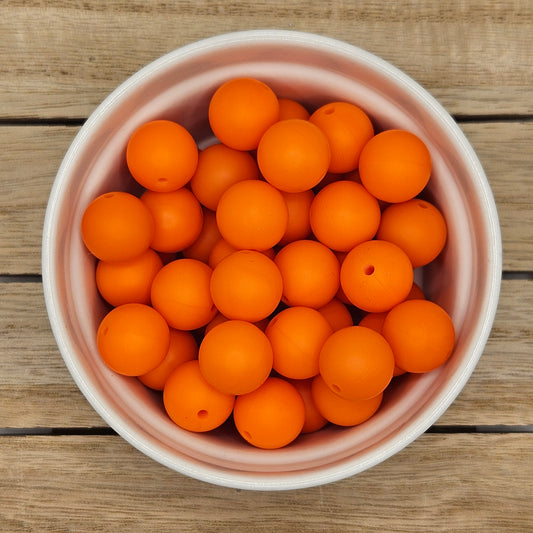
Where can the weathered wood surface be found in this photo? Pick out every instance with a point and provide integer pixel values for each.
(460, 483)
(61, 58)
(472, 472)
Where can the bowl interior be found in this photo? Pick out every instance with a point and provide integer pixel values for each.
(313, 70)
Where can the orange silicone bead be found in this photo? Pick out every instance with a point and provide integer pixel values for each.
(416, 293)
(220, 251)
(271, 416)
(241, 110)
(313, 419)
(218, 319)
(162, 155)
(133, 339)
(252, 214)
(178, 218)
(348, 128)
(246, 285)
(235, 357)
(209, 235)
(310, 272)
(122, 282)
(181, 293)
(343, 215)
(395, 165)
(376, 275)
(117, 226)
(192, 403)
(182, 347)
(417, 227)
(223, 249)
(298, 225)
(340, 411)
(337, 314)
(293, 155)
(375, 321)
(220, 167)
(356, 363)
(297, 335)
(289, 108)
(421, 334)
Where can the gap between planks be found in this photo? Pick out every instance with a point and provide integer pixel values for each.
(79, 121)
(37, 278)
(107, 431)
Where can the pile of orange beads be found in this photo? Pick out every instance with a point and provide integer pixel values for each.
(269, 278)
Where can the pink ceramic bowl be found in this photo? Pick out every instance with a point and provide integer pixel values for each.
(314, 70)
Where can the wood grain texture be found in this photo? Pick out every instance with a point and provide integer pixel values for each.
(459, 483)
(32, 155)
(32, 372)
(36, 389)
(58, 60)
(29, 158)
(500, 390)
(61, 58)
(504, 149)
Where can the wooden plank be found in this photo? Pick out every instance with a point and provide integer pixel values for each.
(61, 58)
(500, 390)
(461, 483)
(29, 158)
(32, 372)
(32, 154)
(504, 150)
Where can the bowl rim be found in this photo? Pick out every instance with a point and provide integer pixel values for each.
(294, 479)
